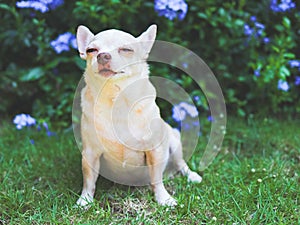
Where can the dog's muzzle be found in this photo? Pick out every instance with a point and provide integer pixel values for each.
(103, 58)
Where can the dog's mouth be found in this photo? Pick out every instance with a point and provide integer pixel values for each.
(107, 72)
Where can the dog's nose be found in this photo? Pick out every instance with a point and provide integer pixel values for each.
(103, 58)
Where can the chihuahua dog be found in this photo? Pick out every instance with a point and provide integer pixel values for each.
(123, 136)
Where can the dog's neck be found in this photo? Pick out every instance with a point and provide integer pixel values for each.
(107, 87)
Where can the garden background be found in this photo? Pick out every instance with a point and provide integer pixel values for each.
(252, 47)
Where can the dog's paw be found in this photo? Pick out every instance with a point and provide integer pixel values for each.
(167, 201)
(84, 202)
(170, 202)
(194, 177)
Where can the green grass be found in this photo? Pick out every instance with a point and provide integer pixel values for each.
(254, 180)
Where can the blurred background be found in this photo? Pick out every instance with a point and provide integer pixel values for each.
(251, 46)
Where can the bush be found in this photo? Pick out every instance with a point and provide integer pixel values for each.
(250, 45)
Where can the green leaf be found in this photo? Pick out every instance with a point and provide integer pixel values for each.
(289, 55)
(239, 22)
(33, 74)
(286, 22)
(6, 7)
(276, 49)
(10, 9)
(222, 41)
(241, 112)
(46, 87)
(280, 28)
(202, 15)
(269, 75)
(284, 72)
(222, 12)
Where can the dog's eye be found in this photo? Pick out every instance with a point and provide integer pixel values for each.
(126, 50)
(91, 50)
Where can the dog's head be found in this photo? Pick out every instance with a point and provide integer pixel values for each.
(114, 53)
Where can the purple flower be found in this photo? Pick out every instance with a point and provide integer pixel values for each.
(23, 120)
(297, 80)
(48, 132)
(257, 72)
(253, 18)
(294, 63)
(196, 123)
(185, 65)
(46, 126)
(248, 30)
(179, 114)
(20, 121)
(186, 126)
(73, 42)
(283, 6)
(63, 42)
(266, 40)
(40, 5)
(259, 32)
(210, 118)
(196, 98)
(283, 85)
(30, 121)
(171, 9)
(259, 29)
(190, 109)
(53, 4)
(260, 26)
(183, 109)
(256, 30)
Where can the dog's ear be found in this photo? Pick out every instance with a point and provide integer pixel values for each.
(147, 39)
(83, 36)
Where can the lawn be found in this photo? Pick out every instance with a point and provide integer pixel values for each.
(254, 180)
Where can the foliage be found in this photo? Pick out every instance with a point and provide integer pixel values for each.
(248, 44)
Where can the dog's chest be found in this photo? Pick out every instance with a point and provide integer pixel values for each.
(123, 116)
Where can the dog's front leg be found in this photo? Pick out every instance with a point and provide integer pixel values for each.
(157, 161)
(90, 170)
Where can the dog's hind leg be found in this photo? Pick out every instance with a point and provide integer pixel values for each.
(156, 161)
(177, 158)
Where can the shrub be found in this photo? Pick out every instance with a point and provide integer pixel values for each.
(251, 47)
